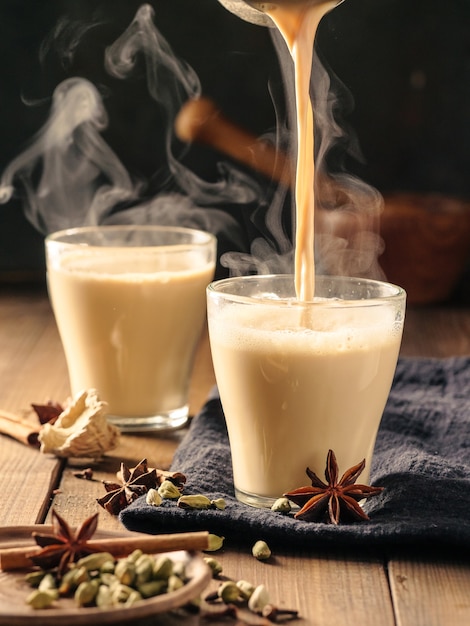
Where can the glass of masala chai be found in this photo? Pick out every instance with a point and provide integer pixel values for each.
(130, 305)
(298, 378)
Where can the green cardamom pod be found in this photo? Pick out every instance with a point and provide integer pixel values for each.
(85, 593)
(194, 502)
(48, 583)
(120, 594)
(228, 592)
(135, 555)
(215, 543)
(174, 583)
(125, 572)
(144, 569)
(152, 588)
(246, 589)
(41, 599)
(67, 583)
(103, 598)
(261, 551)
(34, 578)
(281, 505)
(81, 575)
(169, 491)
(153, 497)
(218, 503)
(215, 566)
(163, 568)
(95, 561)
(133, 597)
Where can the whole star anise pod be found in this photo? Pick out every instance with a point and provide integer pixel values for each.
(135, 482)
(65, 545)
(336, 499)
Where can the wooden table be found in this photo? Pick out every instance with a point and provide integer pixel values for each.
(327, 588)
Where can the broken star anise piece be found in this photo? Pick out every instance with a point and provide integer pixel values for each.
(47, 413)
(135, 482)
(65, 546)
(336, 500)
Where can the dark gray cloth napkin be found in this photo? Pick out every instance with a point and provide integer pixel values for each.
(422, 458)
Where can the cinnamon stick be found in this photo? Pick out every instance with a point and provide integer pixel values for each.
(21, 430)
(19, 558)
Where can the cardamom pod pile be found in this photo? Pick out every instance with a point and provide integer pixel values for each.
(100, 580)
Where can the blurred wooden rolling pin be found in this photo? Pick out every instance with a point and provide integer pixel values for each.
(200, 121)
(19, 429)
(18, 558)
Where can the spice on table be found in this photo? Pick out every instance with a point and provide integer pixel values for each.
(261, 551)
(136, 482)
(81, 430)
(336, 500)
(86, 474)
(214, 565)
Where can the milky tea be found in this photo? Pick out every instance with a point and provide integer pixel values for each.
(297, 379)
(130, 306)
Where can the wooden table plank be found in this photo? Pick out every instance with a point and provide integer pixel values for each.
(430, 592)
(26, 491)
(327, 590)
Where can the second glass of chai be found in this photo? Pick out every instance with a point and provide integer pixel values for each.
(297, 379)
(130, 305)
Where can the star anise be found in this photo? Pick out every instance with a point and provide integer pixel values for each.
(335, 499)
(66, 545)
(47, 413)
(135, 482)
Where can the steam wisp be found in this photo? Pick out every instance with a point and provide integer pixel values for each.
(72, 177)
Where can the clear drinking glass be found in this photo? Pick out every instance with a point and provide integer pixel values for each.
(297, 379)
(129, 302)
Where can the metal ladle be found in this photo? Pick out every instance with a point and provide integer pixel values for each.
(254, 11)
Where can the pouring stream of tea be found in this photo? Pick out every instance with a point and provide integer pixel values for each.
(298, 23)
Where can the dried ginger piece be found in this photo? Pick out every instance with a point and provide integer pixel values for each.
(81, 430)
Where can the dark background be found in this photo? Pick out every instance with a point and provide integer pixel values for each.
(406, 64)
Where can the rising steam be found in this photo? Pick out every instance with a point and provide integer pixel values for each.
(71, 176)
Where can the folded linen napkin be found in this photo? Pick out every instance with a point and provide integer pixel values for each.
(422, 458)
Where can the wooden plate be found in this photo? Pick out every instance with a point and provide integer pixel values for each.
(14, 590)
